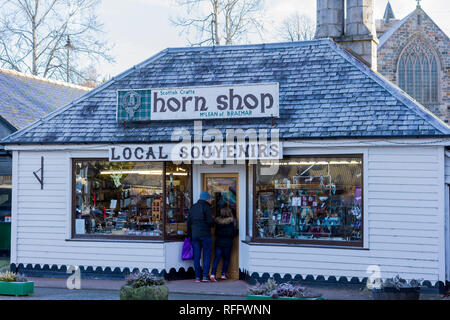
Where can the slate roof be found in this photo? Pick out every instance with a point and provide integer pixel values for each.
(25, 99)
(324, 92)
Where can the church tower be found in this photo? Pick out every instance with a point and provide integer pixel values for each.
(388, 20)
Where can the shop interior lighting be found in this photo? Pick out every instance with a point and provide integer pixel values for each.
(311, 163)
(143, 172)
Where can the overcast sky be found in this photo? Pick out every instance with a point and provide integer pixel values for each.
(141, 28)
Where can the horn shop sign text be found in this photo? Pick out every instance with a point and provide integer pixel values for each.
(216, 102)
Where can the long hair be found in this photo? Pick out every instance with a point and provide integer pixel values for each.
(226, 213)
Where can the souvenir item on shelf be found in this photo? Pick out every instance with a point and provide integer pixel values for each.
(277, 184)
(286, 218)
(358, 195)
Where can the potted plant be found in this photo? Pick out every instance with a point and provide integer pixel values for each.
(397, 289)
(144, 286)
(13, 284)
(285, 291)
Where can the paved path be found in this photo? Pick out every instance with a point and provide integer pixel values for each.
(56, 289)
(66, 294)
(221, 288)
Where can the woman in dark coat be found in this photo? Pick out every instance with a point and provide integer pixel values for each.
(225, 233)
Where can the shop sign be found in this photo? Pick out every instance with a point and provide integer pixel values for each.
(215, 102)
(206, 152)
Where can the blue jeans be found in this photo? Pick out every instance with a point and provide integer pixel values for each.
(198, 245)
(226, 253)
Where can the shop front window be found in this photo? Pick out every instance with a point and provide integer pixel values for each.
(315, 200)
(178, 198)
(118, 199)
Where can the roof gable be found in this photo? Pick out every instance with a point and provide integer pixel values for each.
(324, 92)
(384, 38)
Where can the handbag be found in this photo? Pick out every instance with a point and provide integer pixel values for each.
(187, 253)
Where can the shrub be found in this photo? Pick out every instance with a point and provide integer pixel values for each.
(399, 283)
(9, 276)
(144, 279)
(144, 286)
(274, 290)
(144, 293)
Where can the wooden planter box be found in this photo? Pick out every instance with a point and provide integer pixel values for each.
(250, 297)
(16, 288)
(395, 294)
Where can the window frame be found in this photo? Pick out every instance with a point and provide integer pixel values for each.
(164, 237)
(308, 243)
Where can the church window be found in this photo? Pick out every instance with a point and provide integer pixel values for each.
(418, 79)
(401, 73)
(426, 80)
(409, 77)
(418, 72)
(434, 81)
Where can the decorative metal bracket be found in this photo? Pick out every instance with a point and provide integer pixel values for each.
(41, 170)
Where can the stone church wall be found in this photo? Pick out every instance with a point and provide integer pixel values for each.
(389, 54)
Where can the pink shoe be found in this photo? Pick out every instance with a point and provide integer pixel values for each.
(212, 278)
(223, 277)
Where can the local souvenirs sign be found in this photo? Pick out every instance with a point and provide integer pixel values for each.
(215, 102)
(198, 152)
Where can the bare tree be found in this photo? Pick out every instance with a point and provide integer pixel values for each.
(52, 38)
(217, 22)
(297, 28)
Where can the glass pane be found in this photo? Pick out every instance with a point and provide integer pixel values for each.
(434, 81)
(418, 81)
(223, 193)
(5, 198)
(178, 188)
(311, 198)
(401, 74)
(122, 199)
(410, 77)
(426, 81)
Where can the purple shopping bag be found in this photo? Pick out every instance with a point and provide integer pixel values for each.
(188, 252)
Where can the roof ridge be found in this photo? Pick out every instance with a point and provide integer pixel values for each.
(250, 46)
(395, 91)
(434, 22)
(38, 78)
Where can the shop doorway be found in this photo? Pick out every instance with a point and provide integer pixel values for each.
(224, 190)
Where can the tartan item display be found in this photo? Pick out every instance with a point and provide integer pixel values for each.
(140, 99)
